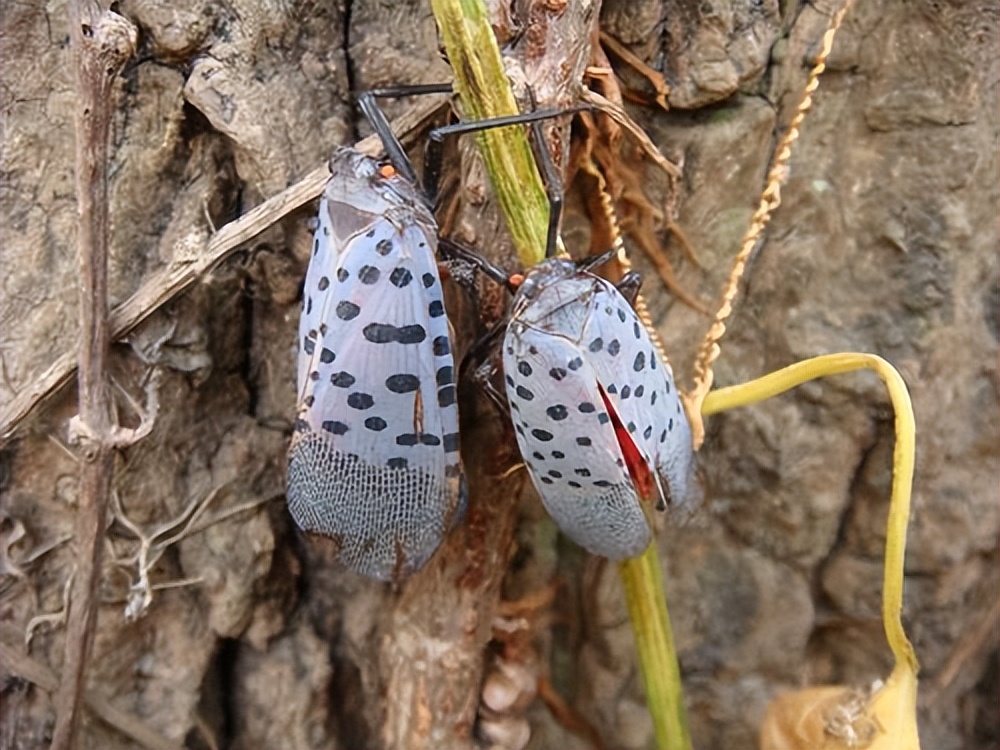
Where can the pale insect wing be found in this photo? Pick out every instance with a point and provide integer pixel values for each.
(568, 443)
(379, 471)
(322, 263)
(642, 388)
(619, 350)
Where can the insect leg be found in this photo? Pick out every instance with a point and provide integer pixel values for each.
(453, 249)
(393, 148)
(478, 358)
(552, 179)
(435, 142)
(629, 286)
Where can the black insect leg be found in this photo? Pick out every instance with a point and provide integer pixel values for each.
(435, 145)
(482, 369)
(553, 188)
(596, 261)
(552, 179)
(393, 148)
(629, 286)
(452, 249)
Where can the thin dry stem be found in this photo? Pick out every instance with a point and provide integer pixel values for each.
(102, 42)
(769, 201)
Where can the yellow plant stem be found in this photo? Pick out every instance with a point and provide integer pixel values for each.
(485, 93)
(902, 469)
(654, 642)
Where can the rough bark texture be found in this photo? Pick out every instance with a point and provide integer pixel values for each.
(886, 243)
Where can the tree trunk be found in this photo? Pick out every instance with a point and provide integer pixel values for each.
(246, 636)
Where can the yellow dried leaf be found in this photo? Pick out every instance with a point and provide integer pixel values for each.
(835, 717)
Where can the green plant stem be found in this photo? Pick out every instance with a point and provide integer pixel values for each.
(485, 93)
(654, 642)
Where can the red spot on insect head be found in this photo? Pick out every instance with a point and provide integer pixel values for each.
(515, 280)
(387, 171)
(638, 469)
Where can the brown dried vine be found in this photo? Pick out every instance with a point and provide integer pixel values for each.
(102, 42)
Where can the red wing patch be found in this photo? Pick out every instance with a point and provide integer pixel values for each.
(638, 469)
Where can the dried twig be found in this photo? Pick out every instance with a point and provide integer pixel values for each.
(175, 278)
(102, 41)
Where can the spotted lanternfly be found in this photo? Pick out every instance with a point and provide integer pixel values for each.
(374, 460)
(595, 410)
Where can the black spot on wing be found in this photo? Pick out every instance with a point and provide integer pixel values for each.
(360, 400)
(342, 379)
(557, 412)
(435, 309)
(400, 277)
(402, 383)
(384, 333)
(326, 356)
(446, 396)
(383, 247)
(442, 346)
(375, 423)
(347, 310)
(368, 274)
(335, 427)
(543, 435)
